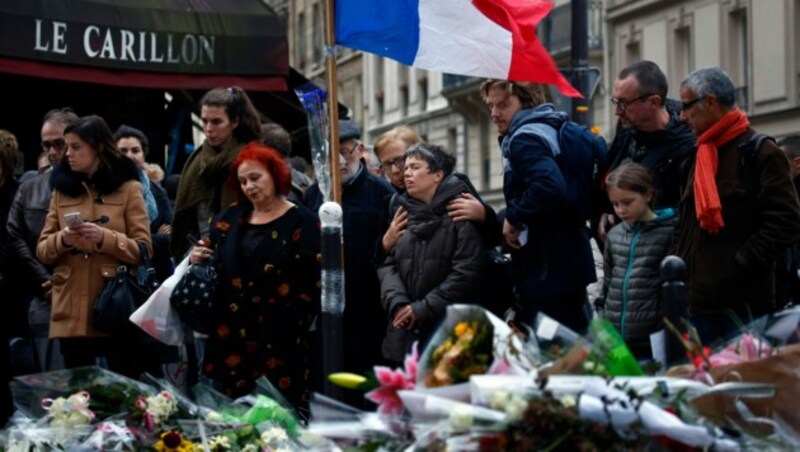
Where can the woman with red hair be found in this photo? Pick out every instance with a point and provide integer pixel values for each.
(267, 258)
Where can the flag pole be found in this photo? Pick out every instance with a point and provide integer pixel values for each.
(330, 213)
(333, 103)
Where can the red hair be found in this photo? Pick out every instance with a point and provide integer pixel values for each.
(272, 161)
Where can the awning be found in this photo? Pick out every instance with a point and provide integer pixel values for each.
(182, 44)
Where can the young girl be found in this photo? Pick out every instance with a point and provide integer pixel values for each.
(634, 249)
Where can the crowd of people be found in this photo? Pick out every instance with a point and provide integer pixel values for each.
(685, 176)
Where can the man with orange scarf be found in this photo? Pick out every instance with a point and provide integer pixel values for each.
(738, 210)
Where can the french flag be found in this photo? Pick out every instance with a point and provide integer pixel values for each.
(481, 38)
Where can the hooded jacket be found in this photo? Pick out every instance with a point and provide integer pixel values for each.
(557, 258)
(632, 279)
(437, 262)
(80, 272)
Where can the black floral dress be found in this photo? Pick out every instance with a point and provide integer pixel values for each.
(270, 294)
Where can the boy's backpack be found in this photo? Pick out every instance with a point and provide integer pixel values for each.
(582, 158)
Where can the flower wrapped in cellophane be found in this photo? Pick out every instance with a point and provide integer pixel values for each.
(470, 341)
(93, 407)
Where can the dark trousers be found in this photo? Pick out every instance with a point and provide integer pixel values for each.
(715, 328)
(128, 358)
(570, 309)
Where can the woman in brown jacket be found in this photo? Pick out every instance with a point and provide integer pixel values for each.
(100, 185)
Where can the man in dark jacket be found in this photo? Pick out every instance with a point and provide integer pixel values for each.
(787, 280)
(649, 132)
(738, 211)
(25, 223)
(552, 258)
(364, 213)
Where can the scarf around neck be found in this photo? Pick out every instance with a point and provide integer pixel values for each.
(706, 196)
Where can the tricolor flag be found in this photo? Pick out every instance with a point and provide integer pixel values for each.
(482, 38)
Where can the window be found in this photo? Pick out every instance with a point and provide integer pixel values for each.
(402, 81)
(632, 53)
(301, 40)
(422, 82)
(739, 56)
(318, 29)
(684, 54)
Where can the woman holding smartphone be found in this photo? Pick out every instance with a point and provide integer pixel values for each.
(96, 221)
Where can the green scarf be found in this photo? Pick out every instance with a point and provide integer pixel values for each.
(203, 181)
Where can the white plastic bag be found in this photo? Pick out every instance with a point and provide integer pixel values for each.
(157, 317)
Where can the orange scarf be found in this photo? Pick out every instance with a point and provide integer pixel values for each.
(706, 197)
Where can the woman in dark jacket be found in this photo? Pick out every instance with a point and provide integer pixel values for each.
(436, 262)
(269, 271)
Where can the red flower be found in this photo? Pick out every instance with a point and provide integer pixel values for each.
(223, 331)
(236, 283)
(283, 289)
(296, 235)
(222, 226)
(233, 360)
(284, 382)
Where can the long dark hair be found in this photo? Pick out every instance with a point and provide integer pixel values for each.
(238, 106)
(95, 132)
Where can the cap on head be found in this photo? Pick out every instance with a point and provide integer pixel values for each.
(348, 129)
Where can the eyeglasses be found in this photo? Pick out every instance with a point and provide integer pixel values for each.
(397, 162)
(685, 106)
(59, 144)
(623, 104)
(347, 153)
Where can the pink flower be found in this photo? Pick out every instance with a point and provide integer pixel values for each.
(392, 381)
(411, 363)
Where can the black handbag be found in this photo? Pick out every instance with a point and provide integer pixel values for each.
(194, 295)
(121, 296)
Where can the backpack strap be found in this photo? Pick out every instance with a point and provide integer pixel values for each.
(747, 153)
(546, 132)
(749, 148)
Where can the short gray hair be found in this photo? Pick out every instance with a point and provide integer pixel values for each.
(712, 81)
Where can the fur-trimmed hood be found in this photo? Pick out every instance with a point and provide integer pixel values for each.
(105, 180)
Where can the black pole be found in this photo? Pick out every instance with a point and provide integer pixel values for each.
(333, 300)
(580, 60)
(673, 300)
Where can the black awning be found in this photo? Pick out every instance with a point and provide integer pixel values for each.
(194, 44)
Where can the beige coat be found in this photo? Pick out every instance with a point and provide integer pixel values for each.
(79, 278)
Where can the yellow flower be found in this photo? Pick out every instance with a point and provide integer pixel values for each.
(172, 441)
(461, 328)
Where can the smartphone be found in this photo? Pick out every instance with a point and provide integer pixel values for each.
(73, 218)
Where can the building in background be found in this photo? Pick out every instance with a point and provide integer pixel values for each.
(760, 48)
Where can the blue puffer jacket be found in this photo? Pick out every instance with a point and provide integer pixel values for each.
(631, 281)
(558, 258)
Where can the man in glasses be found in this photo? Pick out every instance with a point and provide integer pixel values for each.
(25, 223)
(739, 211)
(649, 132)
(364, 215)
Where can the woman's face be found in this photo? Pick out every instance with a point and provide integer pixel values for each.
(420, 182)
(132, 147)
(256, 182)
(81, 157)
(392, 162)
(216, 124)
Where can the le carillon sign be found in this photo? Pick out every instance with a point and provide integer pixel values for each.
(240, 37)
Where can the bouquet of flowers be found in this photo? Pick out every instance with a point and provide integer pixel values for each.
(466, 351)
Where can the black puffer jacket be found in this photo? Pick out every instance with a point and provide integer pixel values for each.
(437, 262)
